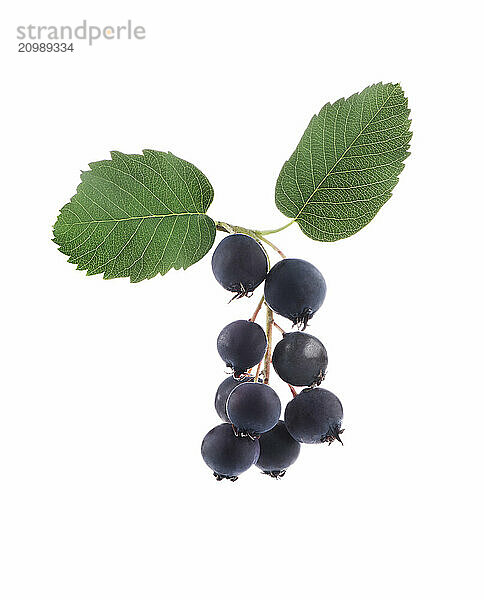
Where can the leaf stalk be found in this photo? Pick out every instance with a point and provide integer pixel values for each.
(269, 231)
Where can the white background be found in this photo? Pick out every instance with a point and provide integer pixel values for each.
(108, 386)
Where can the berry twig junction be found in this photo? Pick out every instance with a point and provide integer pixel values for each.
(255, 233)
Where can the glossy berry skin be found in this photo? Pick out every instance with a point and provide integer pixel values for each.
(253, 408)
(228, 455)
(223, 392)
(239, 264)
(241, 345)
(295, 289)
(300, 359)
(278, 450)
(314, 416)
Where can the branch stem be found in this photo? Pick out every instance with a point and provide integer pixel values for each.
(268, 355)
(257, 373)
(257, 310)
(228, 228)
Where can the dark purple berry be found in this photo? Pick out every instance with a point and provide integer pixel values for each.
(314, 416)
(239, 264)
(278, 450)
(228, 455)
(300, 359)
(241, 345)
(253, 408)
(295, 289)
(223, 393)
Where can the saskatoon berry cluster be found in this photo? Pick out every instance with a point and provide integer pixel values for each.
(252, 432)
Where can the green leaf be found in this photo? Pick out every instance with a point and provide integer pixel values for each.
(347, 163)
(136, 216)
